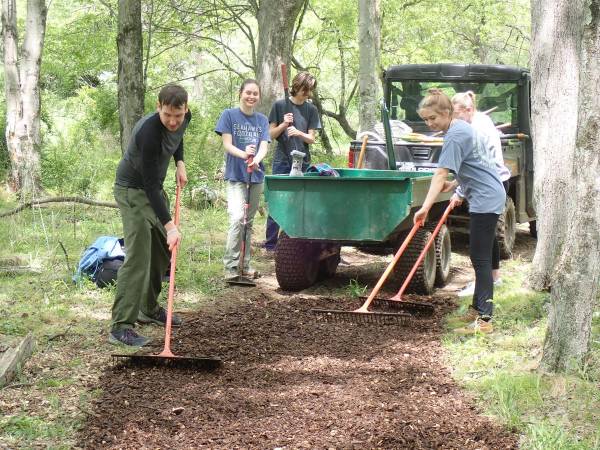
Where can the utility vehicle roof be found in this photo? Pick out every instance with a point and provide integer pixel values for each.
(467, 72)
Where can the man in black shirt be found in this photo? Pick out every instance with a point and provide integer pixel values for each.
(150, 233)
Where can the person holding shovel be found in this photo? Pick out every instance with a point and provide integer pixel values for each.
(149, 231)
(293, 122)
(464, 152)
(464, 109)
(245, 135)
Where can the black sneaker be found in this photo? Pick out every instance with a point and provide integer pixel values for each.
(160, 318)
(128, 337)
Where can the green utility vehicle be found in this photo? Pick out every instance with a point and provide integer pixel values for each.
(367, 209)
(502, 90)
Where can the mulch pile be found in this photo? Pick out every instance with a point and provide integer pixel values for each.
(291, 381)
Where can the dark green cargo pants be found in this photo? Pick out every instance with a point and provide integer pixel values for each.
(147, 258)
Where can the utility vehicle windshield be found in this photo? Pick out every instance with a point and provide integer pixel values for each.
(500, 98)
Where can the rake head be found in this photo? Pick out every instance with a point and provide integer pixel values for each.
(181, 362)
(368, 318)
(241, 280)
(420, 309)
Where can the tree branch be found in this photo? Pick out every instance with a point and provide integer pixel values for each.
(83, 200)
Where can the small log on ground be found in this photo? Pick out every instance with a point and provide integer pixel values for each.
(12, 359)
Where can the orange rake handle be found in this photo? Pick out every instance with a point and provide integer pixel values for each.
(167, 349)
(398, 296)
(365, 307)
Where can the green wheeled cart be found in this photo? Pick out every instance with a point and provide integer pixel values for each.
(368, 209)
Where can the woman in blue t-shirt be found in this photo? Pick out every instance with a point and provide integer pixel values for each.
(465, 154)
(245, 135)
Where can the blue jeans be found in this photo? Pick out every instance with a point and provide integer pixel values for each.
(278, 168)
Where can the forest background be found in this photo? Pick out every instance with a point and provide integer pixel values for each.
(210, 47)
(203, 46)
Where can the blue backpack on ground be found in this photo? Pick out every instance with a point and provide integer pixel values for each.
(101, 261)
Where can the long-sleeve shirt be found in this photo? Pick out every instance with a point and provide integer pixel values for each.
(144, 165)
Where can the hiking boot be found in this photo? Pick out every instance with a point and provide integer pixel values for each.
(477, 326)
(128, 337)
(159, 318)
(469, 316)
(252, 273)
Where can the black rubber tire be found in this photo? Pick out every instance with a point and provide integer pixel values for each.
(533, 228)
(423, 280)
(296, 263)
(506, 229)
(443, 252)
(328, 266)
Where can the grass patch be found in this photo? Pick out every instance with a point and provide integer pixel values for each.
(26, 429)
(550, 411)
(47, 403)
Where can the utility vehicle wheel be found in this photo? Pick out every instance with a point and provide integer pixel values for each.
(533, 228)
(296, 263)
(328, 266)
(506, 229)
(424, 278)
(443, 250)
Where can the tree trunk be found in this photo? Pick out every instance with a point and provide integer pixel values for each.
(131, 70)
(21, 85)
(566, 42)
(276, 21)
(369, 42)
(555, 48)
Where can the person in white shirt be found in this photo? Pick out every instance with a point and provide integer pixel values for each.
(464, 104)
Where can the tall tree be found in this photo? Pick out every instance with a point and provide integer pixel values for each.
(131, 70)
(369, 43)
(21, 85)
(276, 21)
(566, 131)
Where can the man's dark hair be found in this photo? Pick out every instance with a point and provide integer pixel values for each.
(173, 95)
(303, 81)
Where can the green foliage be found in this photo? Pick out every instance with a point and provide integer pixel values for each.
(544, 436)
(79, 48)
(82, 157)
(27, 427)
(355, 289)
(509, 396)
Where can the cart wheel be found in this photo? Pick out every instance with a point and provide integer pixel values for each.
(423, 280)
(443, 251)
(506, 229)
(328, 266)
(296, 263)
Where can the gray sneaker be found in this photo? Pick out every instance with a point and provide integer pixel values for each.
(160, 318)
(128, 337)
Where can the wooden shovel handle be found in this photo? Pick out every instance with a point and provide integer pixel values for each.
(363, 147)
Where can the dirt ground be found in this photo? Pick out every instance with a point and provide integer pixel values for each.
(290, 380)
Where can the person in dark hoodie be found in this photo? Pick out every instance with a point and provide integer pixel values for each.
(149, 231)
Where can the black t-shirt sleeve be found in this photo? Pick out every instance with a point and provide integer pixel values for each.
(276, 116)
(314, 123)
(148, 141)
(178, 155)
